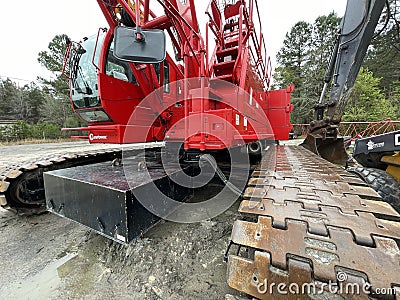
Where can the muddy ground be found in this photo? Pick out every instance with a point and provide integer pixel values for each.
(47, 257)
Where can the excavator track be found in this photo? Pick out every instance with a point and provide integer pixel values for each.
(21, 185)
(312, 230)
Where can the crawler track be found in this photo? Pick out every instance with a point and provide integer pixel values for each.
(21, 185)
(306, 221)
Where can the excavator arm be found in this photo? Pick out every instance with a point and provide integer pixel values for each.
(353, 39)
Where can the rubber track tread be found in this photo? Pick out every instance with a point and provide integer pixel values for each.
(305, 221)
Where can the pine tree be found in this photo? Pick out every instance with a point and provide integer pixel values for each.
(303, 60)
(325, 29)
(293, 57)
(384, 54)
(57, 105)
(9, 95)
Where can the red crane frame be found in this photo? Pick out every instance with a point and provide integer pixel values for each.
(208, 102)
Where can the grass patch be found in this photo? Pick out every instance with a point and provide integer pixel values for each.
(37, 141)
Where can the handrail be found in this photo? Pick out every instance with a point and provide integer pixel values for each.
(211, 19)
(261, 61)
(357, 129)
(247, 35)
(95, 47)
(259, 19)
(214, 29)
(72, 49)
(66, 60)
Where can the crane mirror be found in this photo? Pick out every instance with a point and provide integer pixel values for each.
(139, 45)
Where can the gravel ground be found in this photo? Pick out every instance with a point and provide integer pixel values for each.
(21, 153)
(47, 257)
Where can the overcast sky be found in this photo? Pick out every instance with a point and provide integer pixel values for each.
(26, 29)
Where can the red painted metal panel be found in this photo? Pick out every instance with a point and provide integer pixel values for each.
(278, 108)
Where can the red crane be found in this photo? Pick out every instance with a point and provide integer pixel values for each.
(211, 100)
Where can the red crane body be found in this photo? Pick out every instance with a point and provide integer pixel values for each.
(209, 100)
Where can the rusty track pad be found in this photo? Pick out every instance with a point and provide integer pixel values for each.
(307, 228)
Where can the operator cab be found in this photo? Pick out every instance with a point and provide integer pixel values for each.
(85, 67)
(83, 84)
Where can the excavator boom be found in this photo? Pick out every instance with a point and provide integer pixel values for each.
(356, 32)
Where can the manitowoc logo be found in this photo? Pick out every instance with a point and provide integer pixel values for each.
(93, 137)
(371, 145)
(397, 140)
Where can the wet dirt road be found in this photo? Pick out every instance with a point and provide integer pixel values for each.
(47, 257)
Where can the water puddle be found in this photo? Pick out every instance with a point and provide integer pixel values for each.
(43, 284)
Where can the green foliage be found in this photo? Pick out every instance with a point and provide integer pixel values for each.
(377, 91)
(46, 131)
(384, 55)
(394, 98)
(14, 132)
(52, 59)
(22, 131)
(41, 109)
(303, 111)
(20, 103)
(8, 96)
(305, 56)
(324, 33)
(303, 60)
(57, 108)
(293, 56)
(34, 97)
(367, 102)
